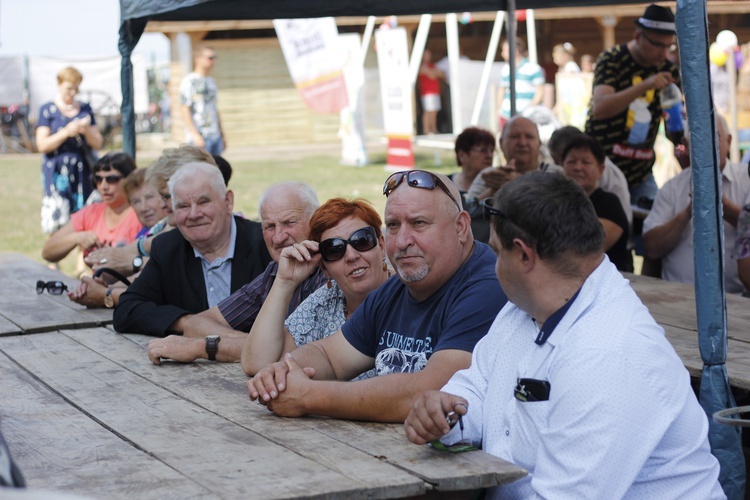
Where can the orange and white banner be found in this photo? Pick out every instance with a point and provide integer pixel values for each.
(396, 93)
(315, 60)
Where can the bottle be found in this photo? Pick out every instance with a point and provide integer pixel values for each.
(671, 106)
(641, 121)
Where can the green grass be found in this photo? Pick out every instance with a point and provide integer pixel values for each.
(20, 191)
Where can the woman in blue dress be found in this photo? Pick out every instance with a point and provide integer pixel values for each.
(66, 129)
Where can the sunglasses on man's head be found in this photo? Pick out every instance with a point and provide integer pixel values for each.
(488, 210)
(53, 287)
(361, 240)
(111, 179)
(417, 179)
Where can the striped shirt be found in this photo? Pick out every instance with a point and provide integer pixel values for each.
(528, 77)
(241, 308)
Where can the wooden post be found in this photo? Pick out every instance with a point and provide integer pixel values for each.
(607, 26)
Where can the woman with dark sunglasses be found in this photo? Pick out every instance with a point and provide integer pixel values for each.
(351, 252)
(110, 222)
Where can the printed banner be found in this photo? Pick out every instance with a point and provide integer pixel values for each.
(315, 60)
(396, 95)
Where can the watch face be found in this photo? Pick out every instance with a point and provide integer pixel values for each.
(138, 262)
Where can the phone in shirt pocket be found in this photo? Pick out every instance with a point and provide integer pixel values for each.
(531, 390)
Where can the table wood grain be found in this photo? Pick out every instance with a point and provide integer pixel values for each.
(85, 405)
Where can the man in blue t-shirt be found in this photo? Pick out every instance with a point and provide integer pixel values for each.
(417, 329)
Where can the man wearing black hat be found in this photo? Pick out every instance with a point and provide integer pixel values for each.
(625, 107)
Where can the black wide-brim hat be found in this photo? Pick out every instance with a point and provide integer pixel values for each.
(658, 19)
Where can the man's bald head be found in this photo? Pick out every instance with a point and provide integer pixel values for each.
(520, 142)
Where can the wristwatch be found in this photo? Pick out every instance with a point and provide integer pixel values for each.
(212, 346)
(137, 263)
(109, 301)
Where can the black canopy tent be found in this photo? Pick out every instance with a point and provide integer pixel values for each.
(692, 34)
(135, 14)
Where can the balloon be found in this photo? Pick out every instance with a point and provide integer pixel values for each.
(739, 59)
(726, 39)
(521, 15)
(466, 18)
(717, 55)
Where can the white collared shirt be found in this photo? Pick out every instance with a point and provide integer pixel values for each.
(621, 421)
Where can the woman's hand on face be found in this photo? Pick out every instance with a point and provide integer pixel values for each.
(88, 240)
(298, 262)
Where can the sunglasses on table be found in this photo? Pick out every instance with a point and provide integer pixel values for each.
(53, 287)
(361, 240)
(417, 179)
(111, 179)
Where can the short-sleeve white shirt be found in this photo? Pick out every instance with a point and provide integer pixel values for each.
(672, 198)
(621, 421)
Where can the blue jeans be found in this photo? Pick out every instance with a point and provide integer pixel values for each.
(646, 189)
(214, 144)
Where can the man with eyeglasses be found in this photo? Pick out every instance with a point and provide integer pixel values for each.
(416, 330)
(625, 107)
(198, 95)
(521, 146)
(575, 381)
(210, 255)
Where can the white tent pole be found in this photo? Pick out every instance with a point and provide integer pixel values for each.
(451, 35)
(423, 30)
(734, 149)
(531, 35)
(497, 29)
(366, 39)
(512, 55)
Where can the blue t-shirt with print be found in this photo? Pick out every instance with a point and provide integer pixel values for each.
(402, 333)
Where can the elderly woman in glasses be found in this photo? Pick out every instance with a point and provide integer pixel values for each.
(351, 252)
(110, 222)
(475, 149)
(150, 209)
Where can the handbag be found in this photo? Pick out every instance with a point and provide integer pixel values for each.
(89, 157)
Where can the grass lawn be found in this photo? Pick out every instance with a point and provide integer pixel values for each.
(20, 192)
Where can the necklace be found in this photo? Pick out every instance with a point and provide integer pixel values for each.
(65, 107)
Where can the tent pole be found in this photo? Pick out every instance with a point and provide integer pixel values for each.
(710, 292)
(497, 29)
(451, 34)
(423, 31)
(531, 36)
(366, 37)
(512, 28)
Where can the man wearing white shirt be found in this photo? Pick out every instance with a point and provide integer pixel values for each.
(575, 382)
(668, 229)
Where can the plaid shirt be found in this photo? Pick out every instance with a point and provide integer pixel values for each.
(241, 308)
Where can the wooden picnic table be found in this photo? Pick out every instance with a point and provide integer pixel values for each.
(672, 305)
(84, 411)
(22, 310)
